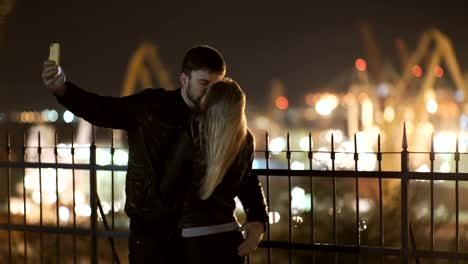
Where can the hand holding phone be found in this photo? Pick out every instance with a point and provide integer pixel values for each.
(54, 53)
(52, 74)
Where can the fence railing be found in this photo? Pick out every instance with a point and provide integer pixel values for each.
(54, 209)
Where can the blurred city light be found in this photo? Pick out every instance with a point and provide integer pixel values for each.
(103, 156)
(297, 220)
(82, 210)
(299, 200)
(282, 103)
(417, 71)
(68, 116)
(296, 165)
(432, 106)
(277, 145)
(445, 141)
(389, 114)
(262, 122)
(274, 217)
(365, 205)
(52, 115)
(64, 214)
(439, 71)
(120, 157)
(444, 167)
(306, 144)
(326, 105)
(360, 64)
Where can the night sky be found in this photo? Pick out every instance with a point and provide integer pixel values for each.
(304, 46)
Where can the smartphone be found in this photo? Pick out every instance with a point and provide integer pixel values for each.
(54, 53)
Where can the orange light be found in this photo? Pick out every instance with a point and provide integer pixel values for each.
(417, 71)
(282, 103)
(361, 64)
(439, 71)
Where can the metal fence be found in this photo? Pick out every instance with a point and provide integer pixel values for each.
(318, 213)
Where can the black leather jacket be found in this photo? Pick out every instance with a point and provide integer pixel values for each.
(153, 119)
(219, 207)
(157, 125)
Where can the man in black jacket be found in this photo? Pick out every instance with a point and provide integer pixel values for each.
(156, 121)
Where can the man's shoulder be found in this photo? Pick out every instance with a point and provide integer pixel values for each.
(159, 92)
(154, 91)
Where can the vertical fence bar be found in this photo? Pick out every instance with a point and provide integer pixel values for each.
(457, 205)
(413, 241)
(92, 197)
(112, 192)
(432, 159)
(271, 216)
(288, 157)
(332, 156)
(356, 169)
(39, 152)
(25, 234)
(406, 235)
(267, 167)
(312, 193)
(115, 257)
(72, 150)
(381, 218)
(404, 199)
(58, 197)
(8, 154)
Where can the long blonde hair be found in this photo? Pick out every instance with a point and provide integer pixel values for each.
(224, 130)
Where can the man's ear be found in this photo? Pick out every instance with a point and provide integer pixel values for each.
(184, 79)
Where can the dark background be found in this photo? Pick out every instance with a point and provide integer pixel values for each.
(304, 45)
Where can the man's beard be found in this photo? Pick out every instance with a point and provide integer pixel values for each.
(196, 102)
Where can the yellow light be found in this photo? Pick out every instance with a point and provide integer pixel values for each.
(365, 205)
(389, 114)
(367, 113)
(427, 128)
(445, 141)
(262, 122)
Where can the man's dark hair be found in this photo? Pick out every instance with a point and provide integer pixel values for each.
(203, 57)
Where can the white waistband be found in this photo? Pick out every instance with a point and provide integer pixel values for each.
(209, 230)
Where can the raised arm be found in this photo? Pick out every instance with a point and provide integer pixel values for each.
(105, 111)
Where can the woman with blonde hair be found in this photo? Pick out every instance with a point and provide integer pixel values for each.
(222, 164)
